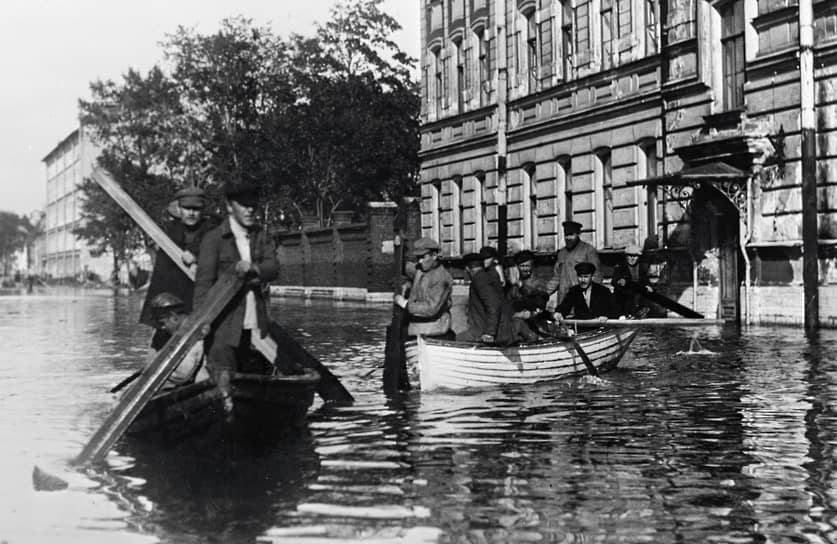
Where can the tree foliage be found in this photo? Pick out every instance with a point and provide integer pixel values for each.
(320, 123)
(13, 229)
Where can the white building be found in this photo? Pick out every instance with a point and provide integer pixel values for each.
(65, 256)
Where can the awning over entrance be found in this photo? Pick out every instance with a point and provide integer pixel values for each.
(716, 171)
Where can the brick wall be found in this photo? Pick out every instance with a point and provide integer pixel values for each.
(355, 255)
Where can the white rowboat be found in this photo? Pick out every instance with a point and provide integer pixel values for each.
(457, 365)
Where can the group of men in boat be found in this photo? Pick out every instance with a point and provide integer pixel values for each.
(238, 244)
(508, 305)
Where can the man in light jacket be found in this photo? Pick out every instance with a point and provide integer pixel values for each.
(428, 306)
(575, 251)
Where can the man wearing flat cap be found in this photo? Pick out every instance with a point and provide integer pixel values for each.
(587, 299)
(574, 251)
(428, 306)
(187, 231)
(238, 245)
(630, 280)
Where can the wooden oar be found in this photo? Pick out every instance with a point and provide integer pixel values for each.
(650, 322)
(394, 364)
(163, 364)
(332, 390)
(121, 385)
(669, 304)
(592, 370)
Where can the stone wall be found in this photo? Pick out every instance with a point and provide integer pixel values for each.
(356, 257)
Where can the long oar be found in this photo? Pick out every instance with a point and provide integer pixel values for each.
(121, 385)
(592, 370)
(163, 364)
(394, 364)
(668, 303)
(650, 322)
(330, 390)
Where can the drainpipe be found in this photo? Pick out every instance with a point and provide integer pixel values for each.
(744, 238)
(810, 263)
(502, 116)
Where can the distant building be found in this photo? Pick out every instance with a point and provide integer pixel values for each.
(64, 256)
(673, 124)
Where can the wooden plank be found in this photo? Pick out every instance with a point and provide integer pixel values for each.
(163, 364)
(115, 191)
(651, 322)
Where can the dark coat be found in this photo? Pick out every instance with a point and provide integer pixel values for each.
(167, 276)
(601, 303)
(628, 298)
(485, 303)
(219, 255)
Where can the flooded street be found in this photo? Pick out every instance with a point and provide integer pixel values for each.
(732, 445)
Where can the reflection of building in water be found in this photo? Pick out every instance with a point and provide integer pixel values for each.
(667, 123)
(65, 255)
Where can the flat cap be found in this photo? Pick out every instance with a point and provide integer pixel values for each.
(472, 259)
(523, 256)
(246, 194)
(424, 245)
(585, 268)
(165, 302)
(571, 227)
(488, 252)
(191, 197)
(633, 249)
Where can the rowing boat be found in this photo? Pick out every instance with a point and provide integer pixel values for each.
(450, 364)
(263, 406)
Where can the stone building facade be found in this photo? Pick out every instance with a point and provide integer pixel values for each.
(673, 124)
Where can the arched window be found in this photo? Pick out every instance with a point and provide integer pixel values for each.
(646, 166)
(603, 188)
(732, 53)
(563, 194)
(457, 211)
(530, 206)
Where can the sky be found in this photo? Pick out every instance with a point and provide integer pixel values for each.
(50, 51)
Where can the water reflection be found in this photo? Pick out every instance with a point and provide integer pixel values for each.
(736, 445)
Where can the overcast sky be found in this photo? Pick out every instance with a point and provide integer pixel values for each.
(50, 50)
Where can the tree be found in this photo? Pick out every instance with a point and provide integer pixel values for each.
(12, 237)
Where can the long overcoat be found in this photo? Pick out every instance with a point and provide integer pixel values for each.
(219, 255)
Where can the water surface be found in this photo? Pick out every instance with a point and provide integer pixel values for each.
(734, 445)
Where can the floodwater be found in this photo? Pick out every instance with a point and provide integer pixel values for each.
(734, 444)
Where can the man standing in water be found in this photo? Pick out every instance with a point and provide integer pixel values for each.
(187, 232)
(238, 245)
(575, 251)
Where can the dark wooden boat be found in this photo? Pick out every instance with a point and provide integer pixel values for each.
(264, 406)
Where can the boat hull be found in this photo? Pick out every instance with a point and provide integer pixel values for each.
(457, 365)
(263, 406)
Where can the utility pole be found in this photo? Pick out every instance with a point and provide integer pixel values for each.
(810, 261)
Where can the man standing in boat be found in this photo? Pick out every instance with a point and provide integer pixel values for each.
(238, 245)
(186, 231)
(587, 299)
(485, 300)
(429, 303)
(575, 251)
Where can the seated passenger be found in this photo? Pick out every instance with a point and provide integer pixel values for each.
(525, 286)
(169, 312)
(587, 300)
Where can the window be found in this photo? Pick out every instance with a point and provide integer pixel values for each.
(532, 51)
(481, 220)
(460, 79)
(607, 24)
(436, 210)
(484, 68)
(567, 38)
(646, 169)
(624, 24)
(651, 32)
(438, 91)
(565, 173)
(530, 206)
(603, 176)
(732, 51)
(547, 46)
(445, 82)
(582, 36)
(458, 212)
